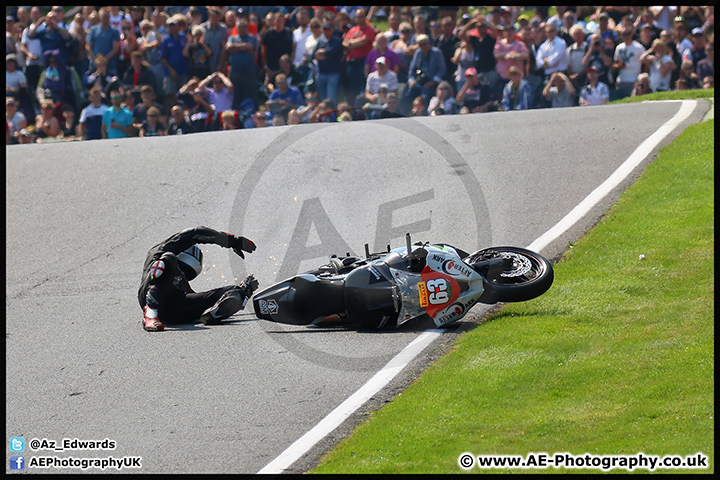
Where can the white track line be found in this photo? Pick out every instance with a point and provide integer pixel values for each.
(640, 153)
(333, 420)
(349, 406)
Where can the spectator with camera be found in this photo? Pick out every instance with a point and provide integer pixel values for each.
(198, 53)
(482, 35)
(51, 35)
(426, 71)
(597, 56)
(559, 91)
(642, 85)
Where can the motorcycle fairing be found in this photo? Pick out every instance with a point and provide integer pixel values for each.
(445, 289)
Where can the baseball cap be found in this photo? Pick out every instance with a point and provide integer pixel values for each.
(698, 31)
(382, 86)
(592, 69)
(381, 60)
(10, 56)
(603, 15)
(470, 72)
(171, 21)
(328, 25)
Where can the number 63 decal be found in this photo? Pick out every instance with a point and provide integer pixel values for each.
(438, 291)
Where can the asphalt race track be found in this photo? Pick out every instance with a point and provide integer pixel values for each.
(230, 398)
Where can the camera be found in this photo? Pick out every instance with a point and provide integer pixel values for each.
(421, 77)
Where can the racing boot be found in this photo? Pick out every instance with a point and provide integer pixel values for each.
(231, 301)
(151, 322)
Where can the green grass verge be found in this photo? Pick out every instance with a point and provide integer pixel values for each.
(616, 358)
(671, 95)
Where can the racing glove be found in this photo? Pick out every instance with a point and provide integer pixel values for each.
(240, 244)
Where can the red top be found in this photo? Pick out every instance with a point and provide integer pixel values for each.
(357, 32)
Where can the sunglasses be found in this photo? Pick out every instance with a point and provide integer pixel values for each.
(116, 97)
(152, 114)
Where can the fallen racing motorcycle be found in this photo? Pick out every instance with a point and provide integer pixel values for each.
(386, 289)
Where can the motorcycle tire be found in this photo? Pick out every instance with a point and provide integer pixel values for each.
(525, 274)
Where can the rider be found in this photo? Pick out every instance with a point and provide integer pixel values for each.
(165, 293)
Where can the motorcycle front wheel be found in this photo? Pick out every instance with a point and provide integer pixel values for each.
(524, 274)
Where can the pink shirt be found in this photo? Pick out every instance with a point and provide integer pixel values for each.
(502, 47)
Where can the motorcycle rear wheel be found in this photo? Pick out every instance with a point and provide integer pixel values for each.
(525, 274)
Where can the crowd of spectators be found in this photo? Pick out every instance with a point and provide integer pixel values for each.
(112, 72)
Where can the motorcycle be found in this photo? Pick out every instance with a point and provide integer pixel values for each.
(384, 290)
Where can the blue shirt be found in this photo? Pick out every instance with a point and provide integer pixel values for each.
(432, 64)
(122, 117)
(93, 117)
(102, 42)
(171, 49)
(51, 40)
(242, 62)
(292, 96)
(333, 54)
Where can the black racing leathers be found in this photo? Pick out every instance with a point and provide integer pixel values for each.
(170, 292)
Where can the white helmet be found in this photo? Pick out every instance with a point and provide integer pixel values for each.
(190, 262)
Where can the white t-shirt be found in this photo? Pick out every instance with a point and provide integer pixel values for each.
(14, 79)
(299, 38)
(630, 54)
(594, 96)
(15, 121)
(34, 46)
(658, 82)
